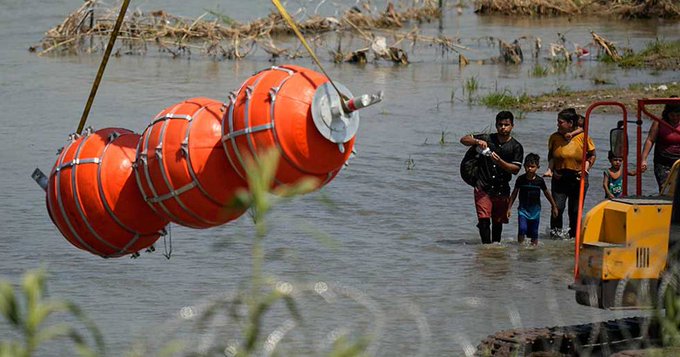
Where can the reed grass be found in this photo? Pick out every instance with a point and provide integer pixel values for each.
(539, 71)
(504, 99)
(470, 87)
(659, 53)
(410, 163)
(28, 313)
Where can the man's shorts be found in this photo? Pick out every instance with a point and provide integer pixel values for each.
(494, 207)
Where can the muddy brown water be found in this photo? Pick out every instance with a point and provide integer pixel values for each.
(405, 244)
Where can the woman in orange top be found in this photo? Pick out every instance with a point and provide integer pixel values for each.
(565, 156)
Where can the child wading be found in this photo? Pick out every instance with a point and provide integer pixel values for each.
(529, 187)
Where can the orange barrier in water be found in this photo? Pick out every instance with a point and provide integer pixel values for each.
(182, 169)
(273, 109)
(190, 161)
(93, 199)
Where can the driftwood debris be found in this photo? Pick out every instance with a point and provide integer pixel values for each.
(219, 36)
(606, 45)
(511, 53)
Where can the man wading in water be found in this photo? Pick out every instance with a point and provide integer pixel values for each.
(501, 157)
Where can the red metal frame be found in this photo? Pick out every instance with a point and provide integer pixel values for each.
(581, 195)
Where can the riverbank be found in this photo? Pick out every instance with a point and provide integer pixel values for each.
(628, 9)
(561, 99)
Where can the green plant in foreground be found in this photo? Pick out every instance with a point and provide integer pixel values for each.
(262, 294)
(28, 318)
(247, 309)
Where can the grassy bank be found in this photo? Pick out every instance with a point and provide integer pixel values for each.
(616, 8)
(580, 100)
(658, 54)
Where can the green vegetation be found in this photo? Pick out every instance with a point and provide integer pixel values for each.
(223, 18)
(619, 8)
(563, 97)
(442, 138)
(470, 87)
(539, 71)
(601, 80)
(28, 315)
(247, 310)
(410, 163)
(658, 54)
(504, 99)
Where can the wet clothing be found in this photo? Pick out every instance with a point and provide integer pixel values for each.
(492, 178)
(566, 156)
(492, 186)
(493, 207)
(615, 185)
(528, 227)
(564, 189)
(530, 195)
(529, 210)
(661, 172)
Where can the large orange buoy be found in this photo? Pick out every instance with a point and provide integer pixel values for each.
(182, 169)
(190, 161)
(297, 111)
(93, 198)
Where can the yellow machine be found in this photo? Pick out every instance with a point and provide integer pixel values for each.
(622, 251)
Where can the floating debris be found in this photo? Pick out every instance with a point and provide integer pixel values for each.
(220, 37)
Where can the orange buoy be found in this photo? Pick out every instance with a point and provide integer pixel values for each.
(297, 111)
(93, 198)
(182, 170)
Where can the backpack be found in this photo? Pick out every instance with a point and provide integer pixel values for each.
(469, 166)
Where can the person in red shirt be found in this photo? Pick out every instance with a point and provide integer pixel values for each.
(667, 140)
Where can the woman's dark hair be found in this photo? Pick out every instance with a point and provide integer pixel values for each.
(670, 108)
(569, 115)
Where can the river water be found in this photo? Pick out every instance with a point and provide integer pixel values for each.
(404, 248)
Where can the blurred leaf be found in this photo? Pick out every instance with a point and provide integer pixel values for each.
(8, 304)
(34, 287)
(10, 349)
(292, 307)
(172, 348)
(342, 347)
(51, 333)
(89, 325)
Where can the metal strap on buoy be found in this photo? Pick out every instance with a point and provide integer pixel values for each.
(166, 174)
(74, 211)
